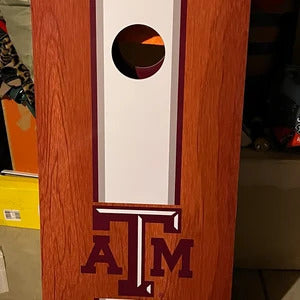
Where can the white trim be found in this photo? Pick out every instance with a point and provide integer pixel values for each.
(149, 289)
(19, 174)
(136, 212)
(176, 222)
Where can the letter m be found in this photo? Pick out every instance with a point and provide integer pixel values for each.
(183, 251)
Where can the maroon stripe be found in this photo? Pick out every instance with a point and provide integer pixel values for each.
(94, 99)
(180, 100)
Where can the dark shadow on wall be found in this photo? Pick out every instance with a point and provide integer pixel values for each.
(5, 160)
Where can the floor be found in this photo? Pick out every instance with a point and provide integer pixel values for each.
(266, 285)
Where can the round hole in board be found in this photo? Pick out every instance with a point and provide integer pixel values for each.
(138, 51)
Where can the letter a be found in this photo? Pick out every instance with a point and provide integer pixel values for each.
(101, 245)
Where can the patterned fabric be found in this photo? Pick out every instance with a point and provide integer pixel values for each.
(15, 78)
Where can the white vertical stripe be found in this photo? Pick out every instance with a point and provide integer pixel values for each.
(140, 251)
(137, 118)
(100, 99)
(174, 97)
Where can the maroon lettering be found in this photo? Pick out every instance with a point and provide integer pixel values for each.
(101, 246)
(183, 251)
(137, 218)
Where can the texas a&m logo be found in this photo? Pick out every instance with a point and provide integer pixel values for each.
(138, 88)
(136, 219)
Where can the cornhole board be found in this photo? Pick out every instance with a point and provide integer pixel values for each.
(21, 133)
(138, 177)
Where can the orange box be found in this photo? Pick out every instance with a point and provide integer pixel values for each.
(21, 133)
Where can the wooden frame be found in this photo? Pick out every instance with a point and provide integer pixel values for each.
(216, 43)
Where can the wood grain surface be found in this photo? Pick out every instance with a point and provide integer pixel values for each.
(216, 45)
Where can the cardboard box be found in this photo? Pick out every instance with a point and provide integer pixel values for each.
(268, 223)
(21, 249)
(19, 202)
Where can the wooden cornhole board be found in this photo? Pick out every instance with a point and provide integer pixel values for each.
(21, 133)
(138, 177)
